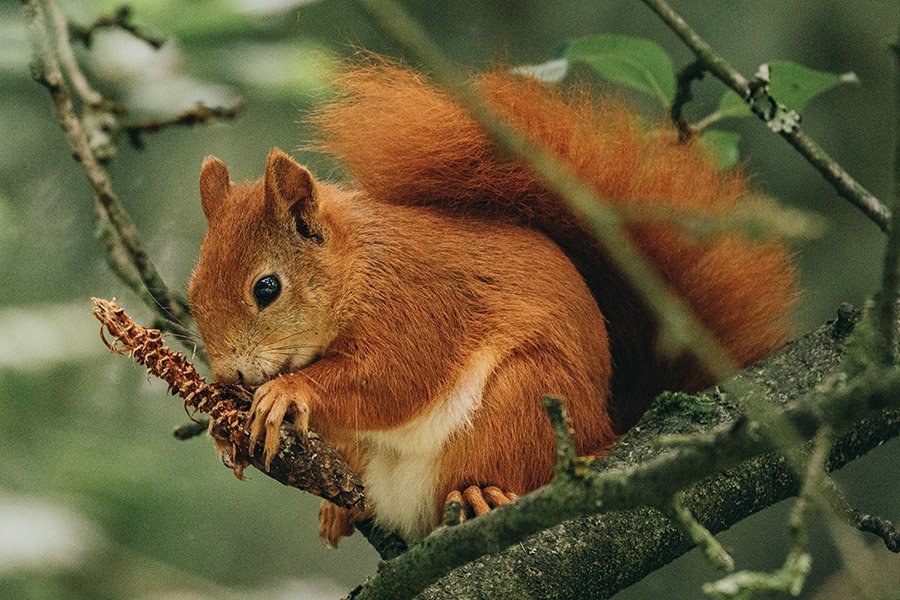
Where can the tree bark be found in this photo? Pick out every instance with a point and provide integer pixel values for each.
(598, 556)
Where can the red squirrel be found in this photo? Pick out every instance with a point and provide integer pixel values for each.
(416, 319)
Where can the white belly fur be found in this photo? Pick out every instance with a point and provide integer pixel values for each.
(402, 469)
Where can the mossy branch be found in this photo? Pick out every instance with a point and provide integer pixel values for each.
(597, 556)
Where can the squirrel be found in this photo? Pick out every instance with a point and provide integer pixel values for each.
(415, 319)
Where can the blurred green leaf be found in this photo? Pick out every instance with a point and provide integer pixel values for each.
(635, 62)
(732, 105)
(723, 146)
(298, 68)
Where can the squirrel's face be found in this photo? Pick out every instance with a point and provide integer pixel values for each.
(263, 290)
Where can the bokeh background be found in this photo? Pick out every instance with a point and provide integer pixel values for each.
(98, 500)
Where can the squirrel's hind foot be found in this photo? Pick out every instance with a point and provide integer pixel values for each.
(476, 501)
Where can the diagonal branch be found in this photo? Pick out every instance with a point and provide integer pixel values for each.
(598, 556)
(649, 482)
(312, 466)
(755, 95)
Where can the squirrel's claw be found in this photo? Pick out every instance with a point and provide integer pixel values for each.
(271, 402)
(476, 501)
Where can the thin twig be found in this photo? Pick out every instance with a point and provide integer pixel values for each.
(886, 299)
(680, 328)
(47, 71)
(699, 535)
(120, 18)
(845, 185)
(67, 58)
(866, 522)
(191, 429)
(200, 114)
(688, 75)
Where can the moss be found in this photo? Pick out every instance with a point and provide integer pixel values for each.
(687, 406)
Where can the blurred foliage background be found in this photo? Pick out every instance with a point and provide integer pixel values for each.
(99, 501)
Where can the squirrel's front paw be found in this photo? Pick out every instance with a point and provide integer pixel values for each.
(271, 402)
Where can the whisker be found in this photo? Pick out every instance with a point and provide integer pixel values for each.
(266, 341)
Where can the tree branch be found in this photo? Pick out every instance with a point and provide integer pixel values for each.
(595, 557)
(757, 96)
(200, 114)
(119, 18)
(112, 215)
(312, 466)
(688, 75)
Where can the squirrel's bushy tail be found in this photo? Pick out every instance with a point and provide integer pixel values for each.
(408, 142)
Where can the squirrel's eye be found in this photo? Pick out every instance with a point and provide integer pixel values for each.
(265, 290)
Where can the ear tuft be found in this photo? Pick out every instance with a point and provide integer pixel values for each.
(214, 185)
(290, 190)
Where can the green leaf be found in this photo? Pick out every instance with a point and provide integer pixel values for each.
(723, 146)
(732, 105)
(795, 85)
(790, 84)
(635, 62)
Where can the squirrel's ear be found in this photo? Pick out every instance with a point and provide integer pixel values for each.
(291, 190)
(214, 185)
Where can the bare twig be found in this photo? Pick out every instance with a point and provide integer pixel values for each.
(866, 522)
(715, 554)
(757, 96)
(67, 58)
(119, 18)
(191, 429)
(688, 75)
(200, 114)
(886, 299)
(47, 71)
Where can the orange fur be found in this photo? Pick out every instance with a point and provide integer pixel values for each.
(422, 317)
(408, 143)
